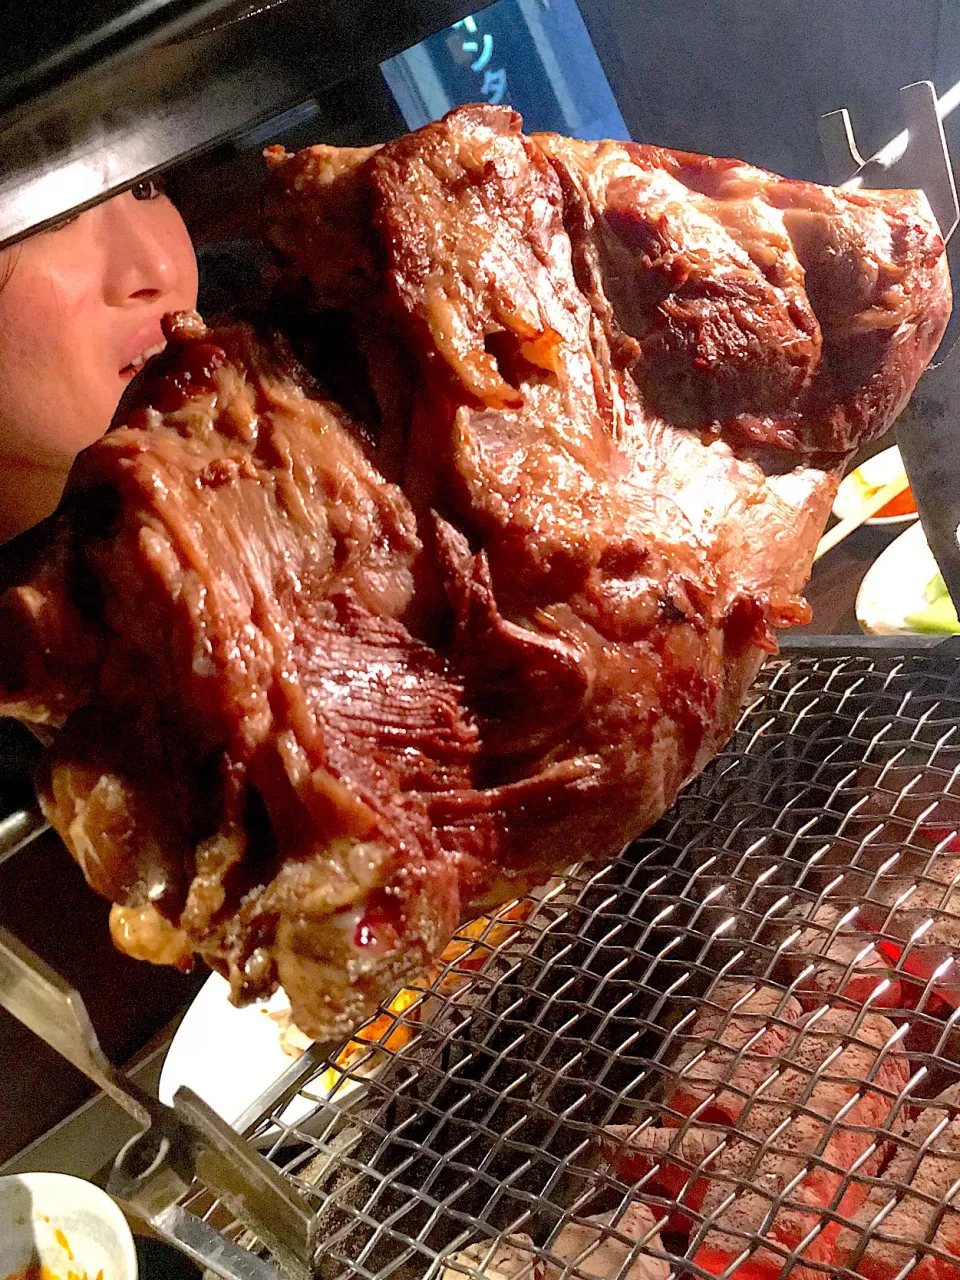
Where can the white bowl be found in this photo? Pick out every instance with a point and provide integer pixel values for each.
(894, 587)
(864, 481)
(69, 1226)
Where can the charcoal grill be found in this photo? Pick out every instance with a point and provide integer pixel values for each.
(485, 1123)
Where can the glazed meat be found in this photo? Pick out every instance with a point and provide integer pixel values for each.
(330, 660)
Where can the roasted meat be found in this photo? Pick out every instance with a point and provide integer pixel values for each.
(335, 653)
(783, 1110)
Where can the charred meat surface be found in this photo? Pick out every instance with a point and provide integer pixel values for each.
(326, 673)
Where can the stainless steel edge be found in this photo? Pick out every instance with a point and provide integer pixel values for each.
(18, 829)
(141, 111)
(855, 646)
(85, 1142)
(207, 1247)
(43, 1001)
(250, 1185)
(279, 1093)
(928, 434)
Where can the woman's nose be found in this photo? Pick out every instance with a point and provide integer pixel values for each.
(139, 260)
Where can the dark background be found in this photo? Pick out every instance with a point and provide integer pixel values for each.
(750, 78)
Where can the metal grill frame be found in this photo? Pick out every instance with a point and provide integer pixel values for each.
(485, 1123)
(397, 1169)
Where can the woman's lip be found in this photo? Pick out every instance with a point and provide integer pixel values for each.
(133, 368)
(145, 343)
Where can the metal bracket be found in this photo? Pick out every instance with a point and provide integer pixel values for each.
(178, 1143)
(916, 158)
(189, 77)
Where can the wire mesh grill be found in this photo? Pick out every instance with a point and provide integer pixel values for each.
(715, 1054)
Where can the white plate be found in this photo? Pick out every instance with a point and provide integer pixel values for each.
(66, 1224)
(895, 583)
(228, 1056)
(864, 481)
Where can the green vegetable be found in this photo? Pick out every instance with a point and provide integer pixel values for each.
(940, 615)
(936, 589)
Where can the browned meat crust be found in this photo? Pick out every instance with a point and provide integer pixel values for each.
(325, 682)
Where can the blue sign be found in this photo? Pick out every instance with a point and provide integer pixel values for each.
(533, 55)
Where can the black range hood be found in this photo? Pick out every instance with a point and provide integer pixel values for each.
(96, 95)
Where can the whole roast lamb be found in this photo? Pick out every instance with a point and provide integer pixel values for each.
(355, 629)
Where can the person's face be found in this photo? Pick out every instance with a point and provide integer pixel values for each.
(79, 313)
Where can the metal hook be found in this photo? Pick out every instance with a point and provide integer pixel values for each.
(930, 445)
(923, 161)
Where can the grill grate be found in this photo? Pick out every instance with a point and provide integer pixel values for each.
(810, 865)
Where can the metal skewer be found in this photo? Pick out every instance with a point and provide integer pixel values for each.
(923, 164)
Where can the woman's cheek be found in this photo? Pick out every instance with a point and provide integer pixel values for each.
(55, 397)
